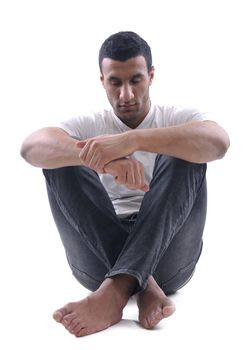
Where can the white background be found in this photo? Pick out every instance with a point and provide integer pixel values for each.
(49, 72)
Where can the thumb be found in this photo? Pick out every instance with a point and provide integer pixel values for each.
(145, 188)
(81, 144)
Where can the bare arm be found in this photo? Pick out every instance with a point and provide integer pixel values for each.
(197, 142)
(50, 148)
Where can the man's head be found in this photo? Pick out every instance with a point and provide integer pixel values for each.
(123, 46)
(126, 74)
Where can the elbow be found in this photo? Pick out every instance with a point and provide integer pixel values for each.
(219, 140)
(25, 152)
(223, 146)
(216, 150)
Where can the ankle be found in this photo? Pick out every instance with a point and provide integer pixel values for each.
(123, 285)
(153, 287)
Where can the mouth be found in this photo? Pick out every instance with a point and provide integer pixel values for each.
(127, 108)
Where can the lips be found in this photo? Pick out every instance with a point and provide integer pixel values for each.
(127, 108)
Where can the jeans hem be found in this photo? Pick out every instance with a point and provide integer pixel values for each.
(133, 273)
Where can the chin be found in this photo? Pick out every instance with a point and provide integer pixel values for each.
(127, 116)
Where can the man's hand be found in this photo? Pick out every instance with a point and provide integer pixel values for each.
(98, 151)
(128, 172)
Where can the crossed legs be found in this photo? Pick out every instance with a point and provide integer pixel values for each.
(98, 246)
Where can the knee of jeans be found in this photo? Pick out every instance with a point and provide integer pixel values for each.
(49, 174)
(189, 165)
(178, 280)
(46, 172)
(177, 163)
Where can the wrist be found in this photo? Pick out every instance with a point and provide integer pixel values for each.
(134, 140)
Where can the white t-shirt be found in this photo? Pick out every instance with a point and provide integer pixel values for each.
(124, 200)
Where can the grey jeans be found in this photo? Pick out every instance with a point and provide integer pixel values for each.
(163, 239)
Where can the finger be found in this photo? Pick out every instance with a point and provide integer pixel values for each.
(84, 150)
(92, 164)
(97, 163)
(140, 182)
(88, 162)
(131, 175)
(145, 188)
(89, 156)
(121, 178)
(92, 157)
(139, 174)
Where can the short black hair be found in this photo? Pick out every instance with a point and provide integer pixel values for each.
(123, 46)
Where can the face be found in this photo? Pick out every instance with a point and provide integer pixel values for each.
(127, 87)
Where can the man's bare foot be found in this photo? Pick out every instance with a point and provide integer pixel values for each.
(100, 310)
(153, 305)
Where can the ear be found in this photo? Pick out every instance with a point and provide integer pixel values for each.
(151, 74)
(102, 79)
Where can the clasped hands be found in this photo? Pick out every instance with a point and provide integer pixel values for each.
(110, 154)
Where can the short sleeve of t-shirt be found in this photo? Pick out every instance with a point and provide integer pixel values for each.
(91, 125)
(166, 116)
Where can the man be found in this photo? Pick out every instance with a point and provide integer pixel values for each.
(127, 191)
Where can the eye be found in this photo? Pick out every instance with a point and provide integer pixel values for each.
(136, 80)
(115, 82)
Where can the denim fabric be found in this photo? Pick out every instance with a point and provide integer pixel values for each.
(163, 239)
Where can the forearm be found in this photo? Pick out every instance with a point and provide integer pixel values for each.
(50, 148)
(197, 142)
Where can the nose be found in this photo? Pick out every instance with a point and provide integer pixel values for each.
(126, 93)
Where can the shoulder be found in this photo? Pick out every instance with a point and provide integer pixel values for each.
(168, 115)
(89, 124)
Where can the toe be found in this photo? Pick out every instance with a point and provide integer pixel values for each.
(158, 316)
(82, 332)
(145, 323)
(59, 314)
(72, 325)
(168, 310)
(77, 329)
(67, 321)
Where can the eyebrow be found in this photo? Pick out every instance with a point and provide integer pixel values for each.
(135, 76)
(138, 75)
(113, 78)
